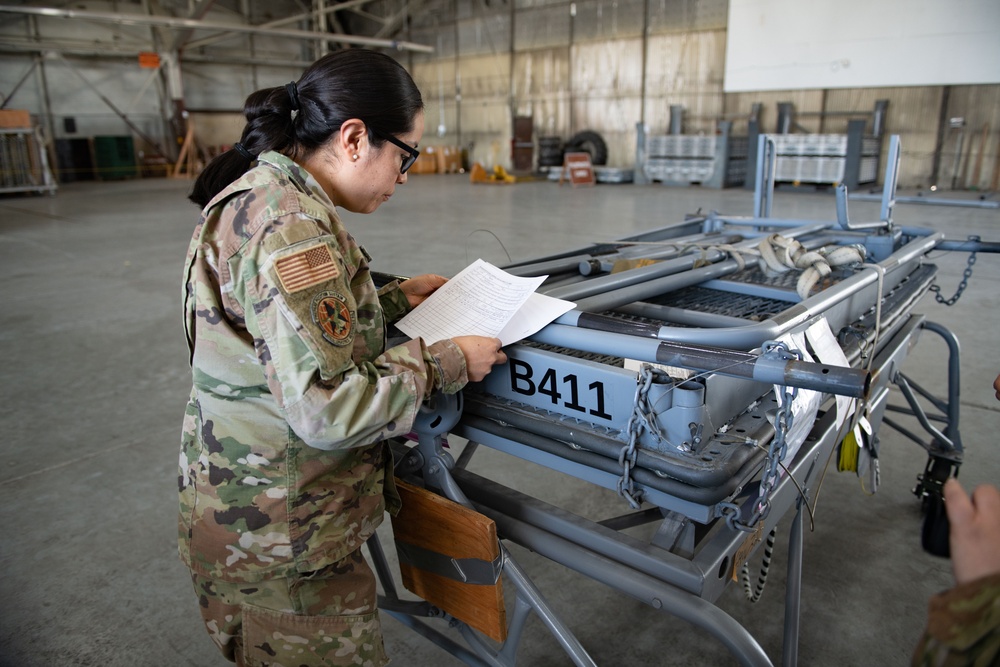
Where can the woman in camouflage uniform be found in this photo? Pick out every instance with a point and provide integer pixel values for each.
(284, 469)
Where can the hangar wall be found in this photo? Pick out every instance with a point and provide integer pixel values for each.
(602, 65)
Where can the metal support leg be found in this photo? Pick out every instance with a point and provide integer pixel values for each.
(949, 443)
(764, 188)
(954, 382)
(793, 592)
(438, 417)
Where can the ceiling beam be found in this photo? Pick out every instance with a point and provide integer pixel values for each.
(198, 13)
(305, 16)
(88, 51)
(177, 23)
(393, 24)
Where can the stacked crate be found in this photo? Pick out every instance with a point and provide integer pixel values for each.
(821, 158)
(685, 158)
(24, 164)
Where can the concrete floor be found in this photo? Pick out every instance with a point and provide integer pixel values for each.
(95, 377)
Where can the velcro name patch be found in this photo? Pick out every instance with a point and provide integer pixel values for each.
(306, 268)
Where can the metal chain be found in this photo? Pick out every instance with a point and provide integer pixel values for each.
(776, 451)
(642, 418)
(961, 285)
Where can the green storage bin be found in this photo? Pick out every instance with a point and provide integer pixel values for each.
(114, 158)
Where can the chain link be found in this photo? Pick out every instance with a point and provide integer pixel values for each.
(642, 418)
(961, 285)
(775, 453)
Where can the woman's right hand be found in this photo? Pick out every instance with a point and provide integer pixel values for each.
(481, 354)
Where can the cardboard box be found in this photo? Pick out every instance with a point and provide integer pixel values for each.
(427, 163)
(15, 118)
(450, 160)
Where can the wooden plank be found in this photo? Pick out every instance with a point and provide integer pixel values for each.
(435, 523)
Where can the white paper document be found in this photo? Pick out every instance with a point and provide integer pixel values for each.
(483, 300)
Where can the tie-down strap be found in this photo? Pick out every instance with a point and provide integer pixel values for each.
(466, 570)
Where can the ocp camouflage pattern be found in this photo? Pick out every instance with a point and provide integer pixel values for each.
(282, 463)
(329, 617)
(963, 627)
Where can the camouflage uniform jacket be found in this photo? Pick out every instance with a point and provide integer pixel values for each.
(283, 464)
(963, 627)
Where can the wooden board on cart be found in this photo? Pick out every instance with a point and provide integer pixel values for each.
(433, 523)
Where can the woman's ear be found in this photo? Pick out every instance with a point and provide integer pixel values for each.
(353, 138)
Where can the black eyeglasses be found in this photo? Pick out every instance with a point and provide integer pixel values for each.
(413, 153)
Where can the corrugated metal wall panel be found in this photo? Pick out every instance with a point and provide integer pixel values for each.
(551, 115)
(684, 69)
(442, 38)
(527, 4)
(541, 73)
(436, 81)
(980, 107)
(607, 69)
(485, 77)
(598, 20)
(671, 16)
(803, 100)
(542, 27)
(487, 133)
(484, 34)
(614, 120)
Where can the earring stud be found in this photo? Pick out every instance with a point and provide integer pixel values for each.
(355, 156)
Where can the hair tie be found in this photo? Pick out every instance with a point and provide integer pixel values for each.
(293, 94)
(242, 150)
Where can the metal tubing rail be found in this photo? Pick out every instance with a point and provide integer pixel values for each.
(433, 420)
(793, 592)
(602, 470)
(607, 292)
(627, 565)
(665, 581)
(692, 318)
(642, 587)
(954, 382)
(753, 335)
(895, 307)
(762, 368)
(968, 245)
(935, 201)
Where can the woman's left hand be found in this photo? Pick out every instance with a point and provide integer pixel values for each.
(419, 288)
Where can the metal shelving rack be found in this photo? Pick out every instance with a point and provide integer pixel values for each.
(851, 159)
(24, 164)
(717, 160)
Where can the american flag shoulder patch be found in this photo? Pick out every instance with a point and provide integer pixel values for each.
(306, 268)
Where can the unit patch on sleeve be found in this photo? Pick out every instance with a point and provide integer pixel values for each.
(333, 317)
(306, 268)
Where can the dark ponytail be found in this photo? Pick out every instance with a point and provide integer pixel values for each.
(297, 118)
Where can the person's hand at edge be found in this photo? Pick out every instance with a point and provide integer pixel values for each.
(975, 530)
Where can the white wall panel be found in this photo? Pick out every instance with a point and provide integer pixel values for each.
(541, 89)
(783, 44)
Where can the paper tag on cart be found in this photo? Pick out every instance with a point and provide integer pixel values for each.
(826, 347)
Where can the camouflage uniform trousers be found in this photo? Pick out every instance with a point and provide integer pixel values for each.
(963, 627)
(327, 617)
